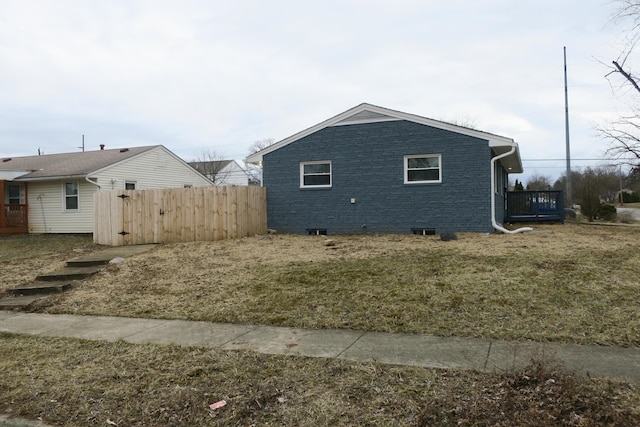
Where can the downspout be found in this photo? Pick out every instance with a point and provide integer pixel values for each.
(493, 195)
(91, 182)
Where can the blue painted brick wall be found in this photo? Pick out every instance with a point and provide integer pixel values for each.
(367, 164)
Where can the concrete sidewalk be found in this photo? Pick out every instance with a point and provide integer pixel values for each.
(397, 349)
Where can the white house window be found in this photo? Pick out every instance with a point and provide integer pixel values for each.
(315, 174)
(422, 168)
(71, 196)
(130, 185)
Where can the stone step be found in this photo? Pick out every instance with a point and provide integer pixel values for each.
(87, 262)
(41, 288)
(18, 302)
(69, 273)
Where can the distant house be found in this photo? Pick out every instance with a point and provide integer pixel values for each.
(371, 169)
(225, 172)
(54, 193)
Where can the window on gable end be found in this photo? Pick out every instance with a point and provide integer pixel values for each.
(422, 168)
(315, 174)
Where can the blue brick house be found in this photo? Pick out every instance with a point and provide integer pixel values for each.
(376, 170)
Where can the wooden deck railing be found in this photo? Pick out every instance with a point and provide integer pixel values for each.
(523, 206)
(14, 216)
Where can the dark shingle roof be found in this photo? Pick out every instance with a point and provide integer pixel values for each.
(68, 164)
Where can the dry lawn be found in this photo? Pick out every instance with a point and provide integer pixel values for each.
(83, 383)
(24, 257)
(565, 283)
(573, 283)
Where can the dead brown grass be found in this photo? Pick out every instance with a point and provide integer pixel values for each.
(24, 257)
(570, 283)
(575, 283)
(78, 383)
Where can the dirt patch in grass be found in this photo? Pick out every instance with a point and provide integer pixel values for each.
(564, 283)
(78, 383)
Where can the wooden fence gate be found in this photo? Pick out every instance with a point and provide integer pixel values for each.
(134, 217)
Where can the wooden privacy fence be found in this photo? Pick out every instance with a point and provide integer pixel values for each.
(134, 217)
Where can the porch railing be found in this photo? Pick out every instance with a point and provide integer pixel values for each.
(14, 215)
(524, 206)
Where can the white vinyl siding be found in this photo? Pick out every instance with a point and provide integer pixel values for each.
(47, 212)
(153, 169)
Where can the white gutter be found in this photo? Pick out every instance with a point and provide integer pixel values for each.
(91, 182)
(493, 195)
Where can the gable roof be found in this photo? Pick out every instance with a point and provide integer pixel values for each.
(68, 165)
(368, 113)
(210, 166)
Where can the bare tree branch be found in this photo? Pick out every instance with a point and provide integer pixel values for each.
(626, 76)
(212, 165)
(261, 145)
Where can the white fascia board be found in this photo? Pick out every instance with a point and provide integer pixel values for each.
(493, 140)
(51, 178)
(257, 157)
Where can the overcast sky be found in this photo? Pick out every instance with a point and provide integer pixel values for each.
(218, 75)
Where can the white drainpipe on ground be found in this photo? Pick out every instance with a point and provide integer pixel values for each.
(493, 196)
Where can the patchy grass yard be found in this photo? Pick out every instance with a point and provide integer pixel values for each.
(79, 383)
(570, 283)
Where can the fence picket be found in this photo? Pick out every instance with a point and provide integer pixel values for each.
(179, 215)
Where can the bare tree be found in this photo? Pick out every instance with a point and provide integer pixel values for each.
(211, 164)
(539, 182)
(628, 13)
(261, 145)
(623, 135)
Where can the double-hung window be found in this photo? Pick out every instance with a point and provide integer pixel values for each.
(315, 174)
(14, 194)
(71, 196)
(422, 168)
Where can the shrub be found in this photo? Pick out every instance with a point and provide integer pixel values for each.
(630, 197)
(607, 212)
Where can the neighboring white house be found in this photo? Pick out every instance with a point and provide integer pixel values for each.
(225, 172)
(57, 189)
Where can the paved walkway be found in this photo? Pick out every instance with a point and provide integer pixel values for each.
(397, 349)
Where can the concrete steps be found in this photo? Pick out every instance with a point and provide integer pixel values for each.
(50, 283)
(69, 273)
(76, 270)
(42, 287)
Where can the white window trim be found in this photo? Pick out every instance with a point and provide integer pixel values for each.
(317, 162)
(64, 196)
(417, 156)
(135, 184)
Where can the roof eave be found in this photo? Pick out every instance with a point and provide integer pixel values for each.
(494, 140)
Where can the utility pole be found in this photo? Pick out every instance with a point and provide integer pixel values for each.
(569, 200)
(82, 143)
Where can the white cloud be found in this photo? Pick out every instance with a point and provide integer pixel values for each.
(197, 74)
